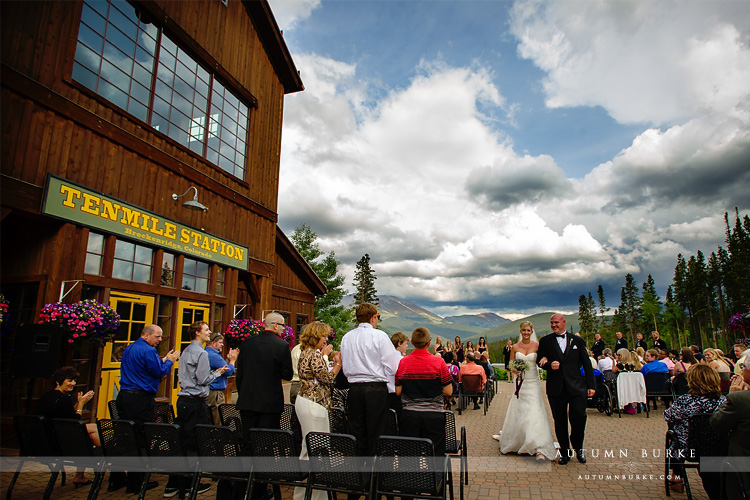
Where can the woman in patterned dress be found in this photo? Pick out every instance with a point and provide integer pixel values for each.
(704, 397)
(314, 398)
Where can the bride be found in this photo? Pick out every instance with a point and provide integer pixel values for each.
(526, 428)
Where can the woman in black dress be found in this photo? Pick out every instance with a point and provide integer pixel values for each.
(506, 356)
(458, 348)
(58, 403)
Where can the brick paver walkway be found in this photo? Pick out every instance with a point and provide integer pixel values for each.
(625, 462)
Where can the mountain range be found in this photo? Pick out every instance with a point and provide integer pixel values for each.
(398, 314)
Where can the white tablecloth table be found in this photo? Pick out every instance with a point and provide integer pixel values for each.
(631, 388)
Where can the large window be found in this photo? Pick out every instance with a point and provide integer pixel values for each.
(132, 262)
(195, 275)
(124, 58)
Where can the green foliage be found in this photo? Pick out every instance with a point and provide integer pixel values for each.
(651, 307)
(603, 310)
(587, 315)
(328, 308)
(364, 282)
(630, 304)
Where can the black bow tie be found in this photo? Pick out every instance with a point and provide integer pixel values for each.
(560, 335)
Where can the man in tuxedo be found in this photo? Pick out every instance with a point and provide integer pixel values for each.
(598, 346)
(639, 342)
(620, 343)
(659, 344)
(562, 355)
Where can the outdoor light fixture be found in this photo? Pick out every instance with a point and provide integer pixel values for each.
(193, 204)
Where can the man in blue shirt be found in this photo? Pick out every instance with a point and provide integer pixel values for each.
(141, 371)
(218, 386)
(653, 365)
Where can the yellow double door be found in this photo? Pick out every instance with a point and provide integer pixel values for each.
(137, 311)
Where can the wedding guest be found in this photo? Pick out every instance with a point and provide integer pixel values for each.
(422, 381)
(294, 387)
(438, 345)
(215, 360)
(369, 360)
(620, 343)
(687, 359)
(697, 353)
(704, 397)
(458, 347)
(641, 352)
(447, 353)
(482, 346)
(606, 364)
(314, 398)
(58, 403)
(639, 342)
(598, 347)
(716, 361)
(469, 346)
(664, 358)
(734, 416)
(659, 344)
(653, 365)
(739, 350)
(400, 343)
(471, 368)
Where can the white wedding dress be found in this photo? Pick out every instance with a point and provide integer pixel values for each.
(526, 428)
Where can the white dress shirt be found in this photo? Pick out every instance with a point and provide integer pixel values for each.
(367, 355)
(561, 341)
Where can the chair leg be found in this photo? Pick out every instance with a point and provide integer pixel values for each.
(50, 484)
(13, 481)
(144, 483)
(94, 490)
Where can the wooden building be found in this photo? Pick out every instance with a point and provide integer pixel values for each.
(111, 110)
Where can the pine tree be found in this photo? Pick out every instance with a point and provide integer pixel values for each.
(364, 282)
(630, 304)
(586, 315)
(328, 308)
(651, 307)
(603, 309)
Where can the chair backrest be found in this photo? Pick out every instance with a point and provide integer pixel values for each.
(333, 460)
(290, 422)
(656, 382)
(164, 412)
(275, 454)
(452, 443)
(471, 383)
(391, 426)
(680, 384)
(112, 407)
(216, 441)
(703, 440)
(72, 438)
(35, 437)
(406, 464)
(230, 417)
(337, 420)
(118, 438)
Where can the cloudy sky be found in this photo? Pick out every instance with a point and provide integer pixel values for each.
(509, 156)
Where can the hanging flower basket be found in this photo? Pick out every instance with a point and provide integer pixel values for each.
(85, 320)
(240, 330)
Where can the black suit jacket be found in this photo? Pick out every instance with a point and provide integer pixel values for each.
(621, 344)
(569, 373)
(264, 361)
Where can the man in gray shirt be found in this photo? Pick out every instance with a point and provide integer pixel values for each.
(195, 376)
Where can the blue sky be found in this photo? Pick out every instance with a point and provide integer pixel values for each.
(510, 156)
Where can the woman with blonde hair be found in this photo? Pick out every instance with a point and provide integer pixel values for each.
(704, 396)
(438, 345)
(716, 361)
(314, 398)
(640, 353)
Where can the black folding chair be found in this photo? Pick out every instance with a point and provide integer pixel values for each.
(337, 420)
(230, 417)
(471, 386)
(74, 443)
(702, 441)
(457, 448)
(119, 441)
(658, 386)
(112, 407)
(221, 457)
(276, 459)
(407, 467)
(164, 412)
(36, 443)
(334, 466)
(290, 422)
(167, 455)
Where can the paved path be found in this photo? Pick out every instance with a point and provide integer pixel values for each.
(623, 474)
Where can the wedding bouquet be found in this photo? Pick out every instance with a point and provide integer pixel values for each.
(520, 366)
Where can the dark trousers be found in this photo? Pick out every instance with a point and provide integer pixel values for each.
(568, 408)
(367, 413)
(425, 424)
(394, 403)
(137, 406)
(191, 411)
(259, 420)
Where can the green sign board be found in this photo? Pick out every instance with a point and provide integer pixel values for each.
(75, 203)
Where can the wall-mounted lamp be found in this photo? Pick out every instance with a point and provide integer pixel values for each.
(193, 204)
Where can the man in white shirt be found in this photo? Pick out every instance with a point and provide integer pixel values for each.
(369, 361)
